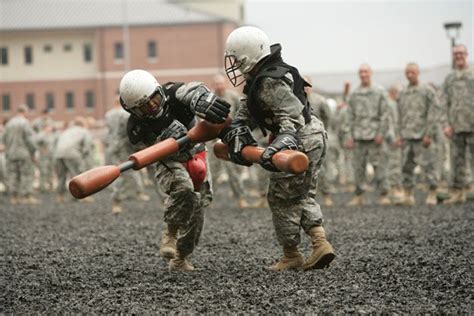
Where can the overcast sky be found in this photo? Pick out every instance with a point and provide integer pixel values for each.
(337, 36)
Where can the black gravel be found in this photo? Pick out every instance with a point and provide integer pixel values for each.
(78, 257)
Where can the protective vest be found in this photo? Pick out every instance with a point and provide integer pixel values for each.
(274, 67)
(148, 130)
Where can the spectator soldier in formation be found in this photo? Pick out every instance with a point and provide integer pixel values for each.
(20, 157)
(365, 131)
(458, 121)
(418, 108)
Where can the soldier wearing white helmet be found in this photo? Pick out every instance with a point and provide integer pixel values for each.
(168, 111)
(276, 101)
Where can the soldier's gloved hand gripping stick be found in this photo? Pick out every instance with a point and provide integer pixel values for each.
(96, 179)
(290, 161)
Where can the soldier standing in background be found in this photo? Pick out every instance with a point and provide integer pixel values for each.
(320, 108)
(118, 148)
(45, 142)
(458, 121)
(3, 168)
(42, 120)
(394, 153)
(74, 148)
(418, 108)
(365, 131)
(19, 153)
(219, 167)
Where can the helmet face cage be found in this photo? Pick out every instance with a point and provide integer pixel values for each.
(232, 65)
(150, 107)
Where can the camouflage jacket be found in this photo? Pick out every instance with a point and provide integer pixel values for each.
(18, 139)
(320, 108)
(74, 143)
(418, 111)
(457, 100)
(367, 113)
(283, 109)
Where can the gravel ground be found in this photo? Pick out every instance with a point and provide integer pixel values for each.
(78, 257)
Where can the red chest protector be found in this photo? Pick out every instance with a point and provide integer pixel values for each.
(197, 168)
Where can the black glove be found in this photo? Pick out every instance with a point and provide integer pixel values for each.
(236, 137)
(283, 141)
(174, 130)
(210, 107)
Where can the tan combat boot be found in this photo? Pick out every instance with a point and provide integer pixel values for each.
(31, 200)
(327, 200)
(292, 259)
(60, 198)
(13, 200)
(143, 197)
(357, 200)
(168, 242)
(322, 254)
(180, 263)
(409, 198)
(384, 199)
(116, 207)
(431, 199)
(396, 196)
(456, 196)
(88, 199)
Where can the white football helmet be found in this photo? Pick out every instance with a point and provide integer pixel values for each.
(245, 47)
(141, 94)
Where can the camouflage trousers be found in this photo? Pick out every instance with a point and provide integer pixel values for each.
(3, 170)
(46, 172)
(128, 184)
(184, 207)
(67, 168)
(414, 153)
(367, 151)
(233, 171)
(292, 198)
(20, 174)
(394, 167)
(461, 143)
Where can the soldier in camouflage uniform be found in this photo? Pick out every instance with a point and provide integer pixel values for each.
(218, 167)
(19, 152)
(3, 167)
(365, 132)
(73, 149)
(394, 153)
(418, 110)
(276, 101)
(458, 121)
(320, 109)
(118, 148)
(161, 112)
(45, 142)
(346, 170)
(43, 120)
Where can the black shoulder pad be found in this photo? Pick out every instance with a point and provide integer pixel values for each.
(274, 72)
(170, 90)
(135, 130)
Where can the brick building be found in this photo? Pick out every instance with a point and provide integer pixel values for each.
(69, 55)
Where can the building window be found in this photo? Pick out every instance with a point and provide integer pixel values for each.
(6, 103)
(30, 100)
(28, 55)
(49, 101)
(47, 48)
(87, 53)
(152, 51)
(90, 100)
(3, 55)
(67, 47)
(118, 49)
(69, 100)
